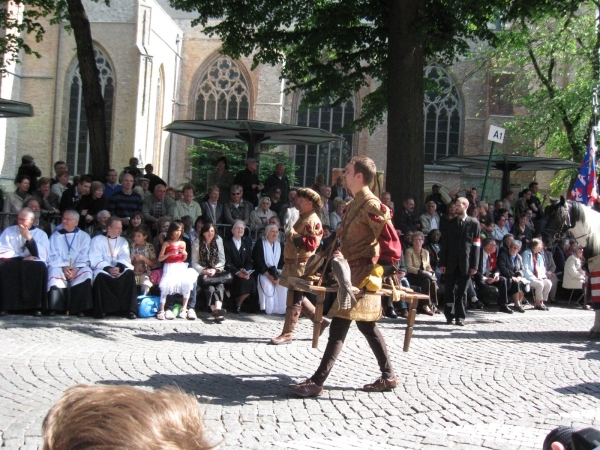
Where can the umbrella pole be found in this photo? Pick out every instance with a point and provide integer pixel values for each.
(505, 181)
(487, 172)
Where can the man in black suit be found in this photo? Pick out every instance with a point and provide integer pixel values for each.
(78, 198)
(487, 275)
(338, 189)
(459, 259)
(248, 179)
(405, 219)
(279, 180)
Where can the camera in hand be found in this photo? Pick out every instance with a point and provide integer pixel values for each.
(586, 439)
(273, 272)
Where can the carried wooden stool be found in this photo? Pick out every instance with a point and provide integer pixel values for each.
(412, 298)
(301, 285)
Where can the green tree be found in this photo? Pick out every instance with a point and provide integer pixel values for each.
(25, 18)
(554, 65)
(332, 49)
(203, 159)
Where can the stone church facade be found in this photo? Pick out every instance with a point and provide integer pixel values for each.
(155, 68)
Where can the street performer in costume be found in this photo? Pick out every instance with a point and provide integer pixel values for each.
(364, 236)
(302, 240)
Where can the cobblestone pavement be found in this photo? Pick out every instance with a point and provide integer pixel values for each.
(500, 382)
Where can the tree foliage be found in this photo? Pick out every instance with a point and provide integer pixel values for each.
(554, 62)
(332, 49)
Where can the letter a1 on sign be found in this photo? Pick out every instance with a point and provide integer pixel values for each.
(496, 134)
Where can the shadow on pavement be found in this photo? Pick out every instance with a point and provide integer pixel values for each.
(591, 388)
(198, 338)
(223, 389)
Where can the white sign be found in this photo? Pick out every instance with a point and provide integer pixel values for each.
(496, 134)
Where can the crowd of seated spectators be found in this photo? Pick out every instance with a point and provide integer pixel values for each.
(517, 260)
(109, 242)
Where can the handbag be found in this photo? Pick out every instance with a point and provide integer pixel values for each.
(217, 278)
(156, 276)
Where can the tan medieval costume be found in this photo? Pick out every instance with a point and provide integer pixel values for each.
(302, 241)
(360, 240)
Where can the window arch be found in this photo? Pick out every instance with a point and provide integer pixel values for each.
(78, 145)
(442, 110)
(223, 92)
(314, 159)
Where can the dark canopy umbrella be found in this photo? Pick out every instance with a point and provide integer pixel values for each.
(252, 132)
(507, 164)
(10, 108)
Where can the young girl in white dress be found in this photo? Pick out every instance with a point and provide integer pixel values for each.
(177, 277)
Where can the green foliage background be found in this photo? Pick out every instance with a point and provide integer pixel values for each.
(203, 159)
(554, 60)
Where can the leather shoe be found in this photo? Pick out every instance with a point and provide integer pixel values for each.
(427, 310)
(3, 313)
(238, 309)
(80, 314)
(51, 313)
(519, 309)
(404, 313)
(37, 313)
(307, 389)
(381, 385)
(131, 315)
(389, 312)
(460, 322)
(448, 321)
(541, 307)
(505, 309)
(283, 339)
(476, 305)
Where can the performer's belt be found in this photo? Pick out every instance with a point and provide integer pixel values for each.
(360, 262)
(296, 261)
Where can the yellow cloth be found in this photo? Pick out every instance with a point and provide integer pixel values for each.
(374, 281)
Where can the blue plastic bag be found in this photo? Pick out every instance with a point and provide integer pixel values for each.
(148, 306)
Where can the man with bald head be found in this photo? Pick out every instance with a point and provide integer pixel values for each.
(69, 273)
(459, 259)
(24, 251)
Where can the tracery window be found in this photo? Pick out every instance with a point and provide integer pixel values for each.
(78, 145)
(442, 111)
(223, 92)
(314, 159)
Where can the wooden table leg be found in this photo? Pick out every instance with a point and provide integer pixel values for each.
(412, 314)
(318, 318)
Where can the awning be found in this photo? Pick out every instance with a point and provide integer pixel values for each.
(252, 132)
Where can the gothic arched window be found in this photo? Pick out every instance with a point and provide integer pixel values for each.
(314, 159)
(223, 92)
(78, 145)
(442, 110)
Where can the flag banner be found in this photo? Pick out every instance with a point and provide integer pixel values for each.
(585, 189)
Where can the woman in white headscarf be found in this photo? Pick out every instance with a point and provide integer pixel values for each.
(268, 261)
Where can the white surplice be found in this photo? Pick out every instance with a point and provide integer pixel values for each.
(69, 250)
(105, 252)
(12, 244)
